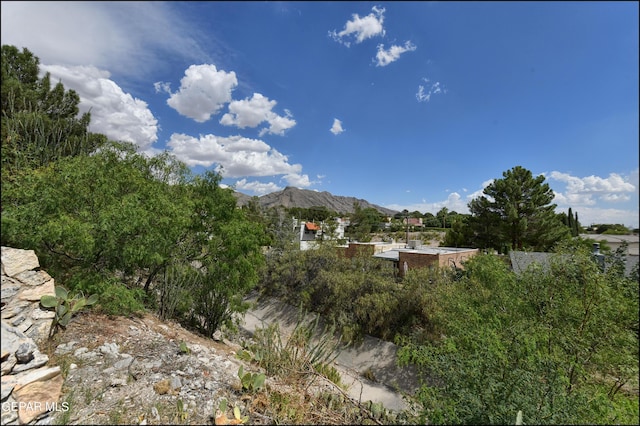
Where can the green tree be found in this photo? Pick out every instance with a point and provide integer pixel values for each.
(459, 233)
(364, 222)
(556, 344)
(442, 216)
(230, 253)
(431, 221)
(99, 213)
(571, 223)
(518, 209)
(612, 229)
(485, 225)
(280, 229)
(40, 123)
(576, 224)
(118, 215)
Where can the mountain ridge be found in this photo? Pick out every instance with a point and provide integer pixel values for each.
(305, 198)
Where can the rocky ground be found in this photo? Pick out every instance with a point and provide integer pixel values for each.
(145, 371)
(132, 370)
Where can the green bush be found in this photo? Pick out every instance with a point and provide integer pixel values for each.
(115, 297)
(554, 343)
(359, 295)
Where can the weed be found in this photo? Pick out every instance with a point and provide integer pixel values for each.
(65, 416)
(301, 352)
(251, 382)
(115, 415)
(329, 372)
(184, 349)
(181, 413)
(65, 306)
(221, 415)
(368, 374)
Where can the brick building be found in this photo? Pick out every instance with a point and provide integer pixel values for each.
(415, 256)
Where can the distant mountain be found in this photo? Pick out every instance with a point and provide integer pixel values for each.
(295, 197)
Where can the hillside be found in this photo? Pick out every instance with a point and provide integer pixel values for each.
(295, 197)
(139, 369)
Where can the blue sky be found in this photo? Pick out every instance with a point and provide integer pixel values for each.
(414, 105)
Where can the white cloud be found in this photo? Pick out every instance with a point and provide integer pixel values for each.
(234, 156)
(252, 112)
(162, 87)
(361, 28)
(114, 113)
(589, 197)
(583, 191)
(256, 187)
(424, 93)
(127, 38)
(298, 180)
(385, 57)
(203, 91)
(336, 128)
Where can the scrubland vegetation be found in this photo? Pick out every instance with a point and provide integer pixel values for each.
(559, 345)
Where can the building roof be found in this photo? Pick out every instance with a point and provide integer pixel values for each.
(610, 238)
(394, 254)
(312, 226)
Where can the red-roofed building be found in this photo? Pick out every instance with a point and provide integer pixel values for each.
(310, 226)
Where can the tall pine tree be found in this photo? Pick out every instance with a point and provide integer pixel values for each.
(517, 211)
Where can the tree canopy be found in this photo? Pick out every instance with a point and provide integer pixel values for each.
(40, 122)
(105, 219)
(515, 212)
(556, 343)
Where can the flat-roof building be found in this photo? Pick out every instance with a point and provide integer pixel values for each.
(414, 256)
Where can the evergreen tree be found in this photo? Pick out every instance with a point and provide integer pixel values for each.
(571, 223)
(516, 212)
(577, 226)
(40, 123)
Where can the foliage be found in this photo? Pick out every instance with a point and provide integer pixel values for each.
(104, 212)
(119, 214)
(555, 344)
(251, 382)
(573, 223)
(342, 290)
(115, 298)
(175, 290)
(280, 230)
(307, 351)
(40, 123)
(221, 415)
(611, 229)
(183, 348)
(515, 213)
(65, 307)
(181, 412)
(459, 233)
(358, 295)
(363, 222)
